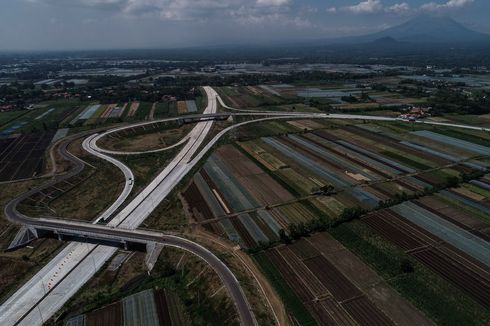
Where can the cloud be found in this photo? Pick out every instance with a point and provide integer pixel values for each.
(272, 2)
(399, 8)
(366, 7)
(272, 16)
(174, 9)
(372, 7)
(451, 4)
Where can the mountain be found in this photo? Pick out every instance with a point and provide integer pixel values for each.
(425, 29)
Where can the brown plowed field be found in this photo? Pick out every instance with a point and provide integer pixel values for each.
(23, 157)
(265, 189)
(340, 287)
(315, 286)
(196, 201)
(337, 312)
(109, 315)
(236, 162)
(365, 313)
(303, 250)
(242, 231)
(290, 277)
(329, 283)
(162, 308)
(321, 315)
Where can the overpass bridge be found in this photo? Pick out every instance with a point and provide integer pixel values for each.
(133, 240)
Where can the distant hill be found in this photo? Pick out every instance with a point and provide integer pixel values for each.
(424, 29)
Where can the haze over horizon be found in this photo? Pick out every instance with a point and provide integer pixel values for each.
(127, 24)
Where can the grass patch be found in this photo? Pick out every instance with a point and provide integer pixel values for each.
(7, 117)
(143, 111)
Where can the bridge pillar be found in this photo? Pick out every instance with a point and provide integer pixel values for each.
(33, 231)
(25, 236)
(153, 250)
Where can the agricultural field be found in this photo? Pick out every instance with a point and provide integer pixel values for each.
(25, 135)
(333, 287)
(6, 117)
(420, 193)
(23, 157)
(460, 256)
(327, 96)
(150, 307)
(165, 110)
(49, 116)
(269, 183)
(249, 97)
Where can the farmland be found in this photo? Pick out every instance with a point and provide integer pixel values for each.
(335, 286)
(151, 307)
(22, 157)
(247, 97)
(314, 97)
(26, 135)
(421, 195)
(266, 181)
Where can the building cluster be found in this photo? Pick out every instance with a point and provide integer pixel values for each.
(415, 113)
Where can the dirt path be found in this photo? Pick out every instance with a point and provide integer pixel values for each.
(151, 116)
(274, 302)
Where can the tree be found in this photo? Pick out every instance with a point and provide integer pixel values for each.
(406, 266)
(452, 182)
(284, 237)
(327, 189)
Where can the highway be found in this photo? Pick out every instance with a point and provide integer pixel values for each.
(128, 177)
(47, 280)
(39, 299)
(42, 296)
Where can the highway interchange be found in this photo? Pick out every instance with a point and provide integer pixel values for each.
(46, 292)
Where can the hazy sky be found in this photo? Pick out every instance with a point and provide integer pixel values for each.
(96, 24)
